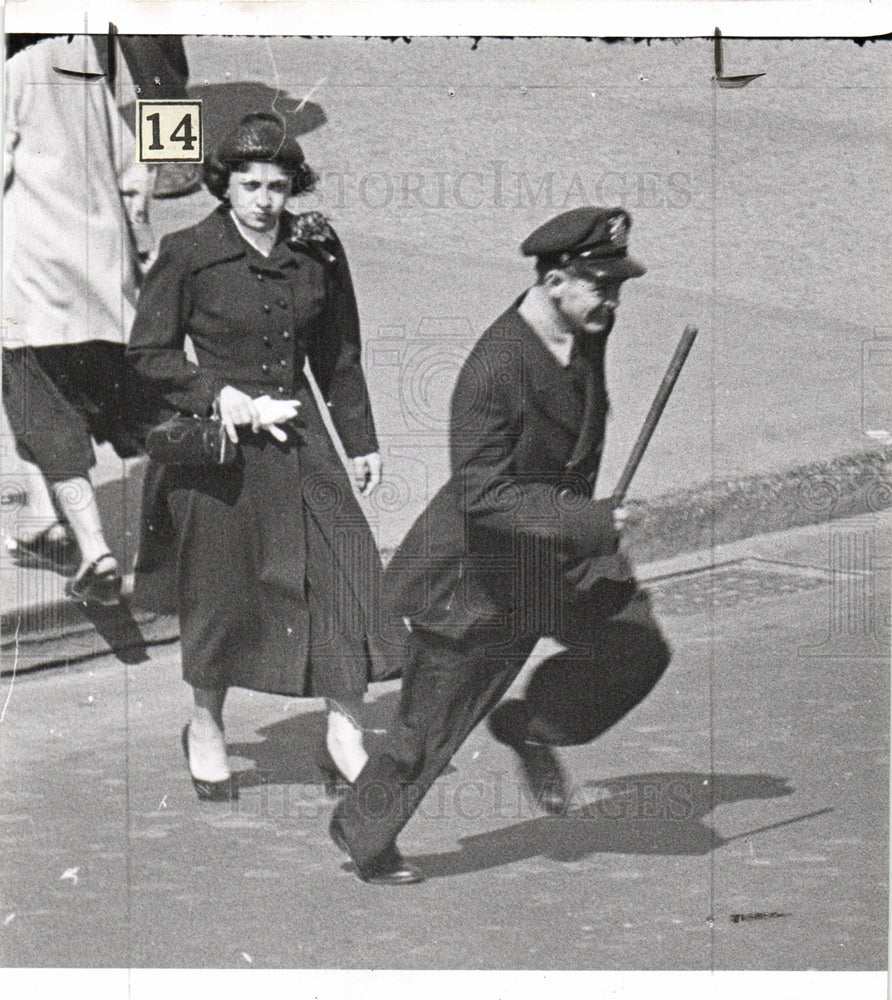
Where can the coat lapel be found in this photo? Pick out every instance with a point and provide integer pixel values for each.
(215, 239)
(544, 378)
(588, 444)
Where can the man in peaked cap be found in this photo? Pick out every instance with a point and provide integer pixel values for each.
(514, 548)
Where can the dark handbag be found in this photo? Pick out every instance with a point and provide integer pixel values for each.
(185, 440)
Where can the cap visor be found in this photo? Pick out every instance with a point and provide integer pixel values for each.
(617, 268)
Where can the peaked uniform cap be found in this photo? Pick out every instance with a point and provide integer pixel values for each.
(592, 237)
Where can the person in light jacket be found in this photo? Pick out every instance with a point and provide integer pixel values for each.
(74, 203)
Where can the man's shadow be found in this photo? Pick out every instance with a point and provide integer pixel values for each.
(656, 813)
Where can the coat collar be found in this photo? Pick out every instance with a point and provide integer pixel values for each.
(216, 239)
(547, 380)
(536, 311)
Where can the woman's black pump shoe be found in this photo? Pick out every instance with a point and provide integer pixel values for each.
(210, 791)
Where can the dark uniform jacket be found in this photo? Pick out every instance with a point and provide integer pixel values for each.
(504, 541)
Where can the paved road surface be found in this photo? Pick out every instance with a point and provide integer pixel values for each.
(773, 718)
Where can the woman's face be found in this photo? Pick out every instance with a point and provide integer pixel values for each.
(258, 194)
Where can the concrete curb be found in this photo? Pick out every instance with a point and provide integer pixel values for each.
(726, 510)
(670, 526)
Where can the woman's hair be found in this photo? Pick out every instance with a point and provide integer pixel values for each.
(259, 136)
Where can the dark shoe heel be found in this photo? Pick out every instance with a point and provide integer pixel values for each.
(388, 869)
(209, 791)
(333, 779)
(336, 832)
(96, 588)
(538, 762)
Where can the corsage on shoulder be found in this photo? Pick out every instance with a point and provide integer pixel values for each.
(312, 230)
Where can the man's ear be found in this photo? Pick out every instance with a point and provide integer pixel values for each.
(554, 281)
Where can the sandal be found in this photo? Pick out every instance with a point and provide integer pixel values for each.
(92, 587)
(56, 552)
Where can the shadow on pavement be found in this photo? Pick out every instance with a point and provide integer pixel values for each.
(120, 629)
(658, 813)
(287, 753)
(225, 104)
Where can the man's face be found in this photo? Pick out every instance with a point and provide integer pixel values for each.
(585, 304)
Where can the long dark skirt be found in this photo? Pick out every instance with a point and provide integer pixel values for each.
(275, 569)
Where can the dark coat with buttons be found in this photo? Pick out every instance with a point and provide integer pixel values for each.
(271, 561)
(514, 531)
(252, 320)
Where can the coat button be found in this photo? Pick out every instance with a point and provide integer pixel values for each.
(265, 369)
(286, 335)
(281, 390)
(260, 277)
(266, 342)
(283, 363)
(266, 307)
(282, 303)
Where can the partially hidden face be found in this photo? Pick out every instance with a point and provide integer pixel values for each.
(257, 194)
(586, 305)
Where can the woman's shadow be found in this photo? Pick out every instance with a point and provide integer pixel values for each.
(286, 755)
(656, 813)
(225, 104)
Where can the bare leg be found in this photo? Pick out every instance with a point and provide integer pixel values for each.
(344, 736)
(77, 501)
(207, 747)
(38, 514)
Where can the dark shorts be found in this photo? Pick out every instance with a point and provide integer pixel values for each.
(60, 398)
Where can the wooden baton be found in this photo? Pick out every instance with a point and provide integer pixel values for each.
(654, 414)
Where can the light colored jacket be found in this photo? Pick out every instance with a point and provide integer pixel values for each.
(70, 271)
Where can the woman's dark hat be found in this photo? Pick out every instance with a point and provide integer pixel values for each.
(261, 136)
(594, 239)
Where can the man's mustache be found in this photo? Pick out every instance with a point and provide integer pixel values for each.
(603, 315)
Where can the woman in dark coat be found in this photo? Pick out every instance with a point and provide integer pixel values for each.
(274, 562)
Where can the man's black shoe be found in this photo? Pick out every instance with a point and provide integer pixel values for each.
(543, 775)
(538, 761)
(388, 869)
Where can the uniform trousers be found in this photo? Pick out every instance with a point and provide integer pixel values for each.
(451, 684)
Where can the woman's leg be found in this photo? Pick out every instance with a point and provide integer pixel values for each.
(77, 501)
(207, 746)
(344, 735)
(37, 511)
(35, 536)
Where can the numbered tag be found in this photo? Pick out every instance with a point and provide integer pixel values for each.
(169, 132)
